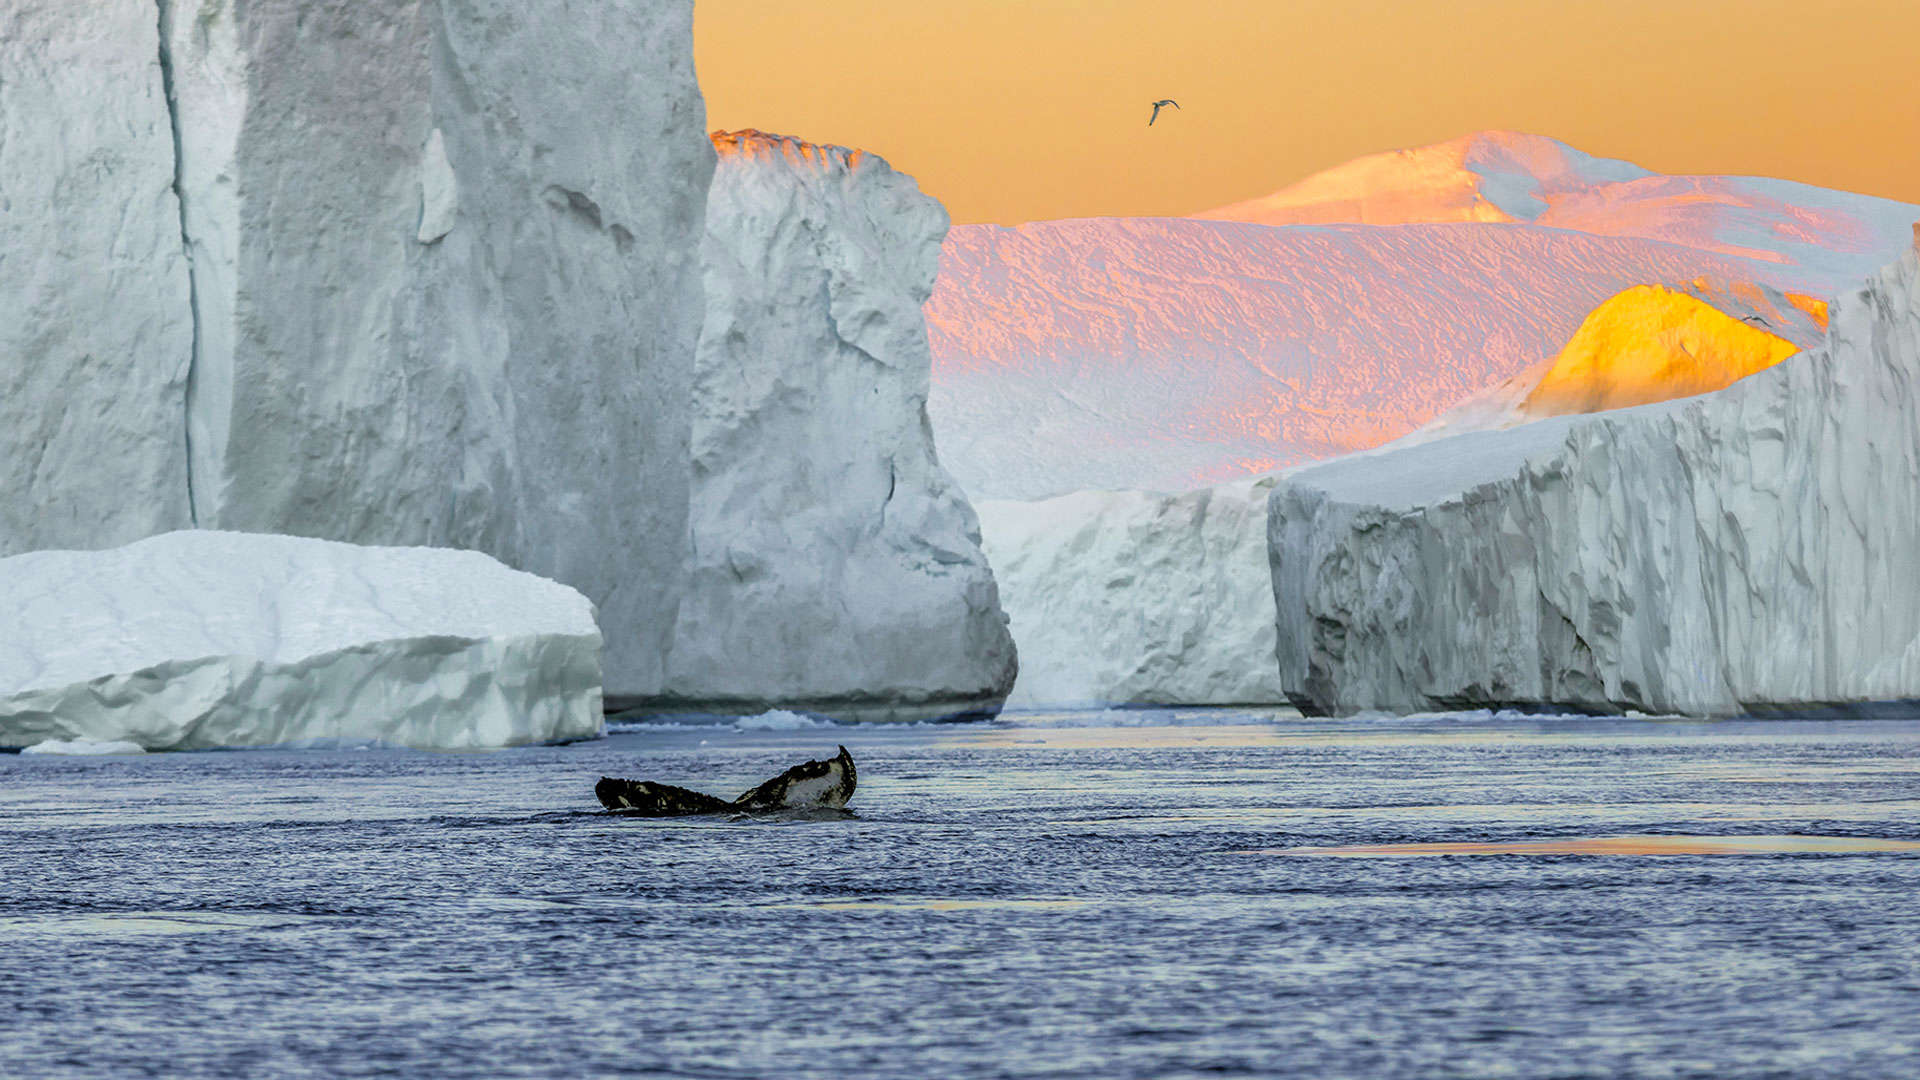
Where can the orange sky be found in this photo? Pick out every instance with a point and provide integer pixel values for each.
(1013, 110)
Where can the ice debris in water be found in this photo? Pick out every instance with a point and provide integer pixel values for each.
(83, 747)
(780, 720)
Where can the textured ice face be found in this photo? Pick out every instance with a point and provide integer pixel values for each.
(97, 331)
(834, 564)
(446, 260)
(1752, 548)
(201, 639)
(1133, 597)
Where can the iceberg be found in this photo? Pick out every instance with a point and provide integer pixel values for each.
(1144, 598)
(1746, 550)
(201, 639)
(835, 567)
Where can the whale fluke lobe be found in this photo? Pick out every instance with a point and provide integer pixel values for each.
(811, 783)
(827, 783)
(648, 799)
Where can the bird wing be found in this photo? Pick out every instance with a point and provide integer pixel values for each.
(1156, 114)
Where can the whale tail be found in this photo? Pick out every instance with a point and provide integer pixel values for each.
(807, 785)
(649, 799)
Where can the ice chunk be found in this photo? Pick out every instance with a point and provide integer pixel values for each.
(780, 720)
(439, 191)
(192, 640)
(83, 748)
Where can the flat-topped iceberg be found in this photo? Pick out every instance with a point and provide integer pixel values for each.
(196, 640)
(1752, 549)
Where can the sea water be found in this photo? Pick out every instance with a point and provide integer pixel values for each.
(1137, 894)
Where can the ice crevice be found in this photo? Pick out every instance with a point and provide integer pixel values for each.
(164, 9)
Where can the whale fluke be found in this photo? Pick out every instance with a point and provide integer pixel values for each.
(827, 783)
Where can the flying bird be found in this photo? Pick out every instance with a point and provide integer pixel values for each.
(1157, 106)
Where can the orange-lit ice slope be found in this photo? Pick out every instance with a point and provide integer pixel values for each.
(1507, 176)
(1166, 353)
(1169, 353)
(1651, 344)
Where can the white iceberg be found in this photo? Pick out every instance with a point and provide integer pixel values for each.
(1751, 549)
(835, 566)
(1138, 597)
(198, 639)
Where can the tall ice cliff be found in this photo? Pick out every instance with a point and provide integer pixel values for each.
(834, 564)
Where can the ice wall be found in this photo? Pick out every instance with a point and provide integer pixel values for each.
(201, 639)
(1749, 549)
(95, 330)
(444, 282)
(1136, 597)
(834, 564)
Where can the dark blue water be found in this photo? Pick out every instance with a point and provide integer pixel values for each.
(1006, 902)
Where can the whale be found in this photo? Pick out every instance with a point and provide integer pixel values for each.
(810, 784)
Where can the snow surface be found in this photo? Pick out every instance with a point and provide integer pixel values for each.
(1131, 597)
(1508, 176)
(1489, 176)
(1168, 354)
(443, 287)
(203, 639)
(1749, 549)
(95, 329)
(834, 564)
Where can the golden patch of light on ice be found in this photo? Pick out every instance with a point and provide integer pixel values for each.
(1649, 344)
